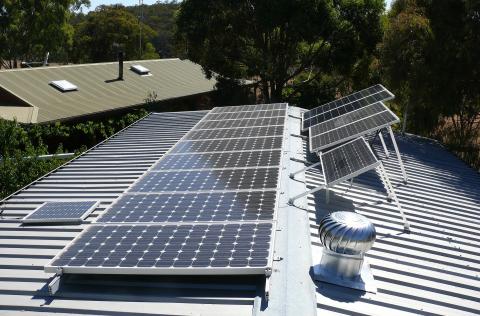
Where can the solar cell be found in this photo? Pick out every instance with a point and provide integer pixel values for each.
(235, 132)
(208, 206)
(61, 211)
(267, 158)
(207, 180)
(156, 249)
(345, 105)
(244, 115)
(266, 121)
(252, 107)
(191, 207)
(233, 144)
(346, 161)
(319, 140)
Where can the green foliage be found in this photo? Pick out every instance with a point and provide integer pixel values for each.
(29, 29)
(96, 35)
(430, 55)
(404, 62)
(161, 18)
(18, 163)
(20, 146)
(278, 44)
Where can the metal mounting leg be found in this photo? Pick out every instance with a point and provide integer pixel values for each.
(405, 179)
(292, 175)
(296, 197)
(389, 187)
(54, 284)
(387, 153)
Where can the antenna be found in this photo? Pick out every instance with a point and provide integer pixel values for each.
(140, 18)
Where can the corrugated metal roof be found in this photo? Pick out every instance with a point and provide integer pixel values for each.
(433, 271)
(171, 78)
(104, 173)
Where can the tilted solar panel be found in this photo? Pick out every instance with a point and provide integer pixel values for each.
(347, 161)
(322, 137)
(61, 211)
(345, 105)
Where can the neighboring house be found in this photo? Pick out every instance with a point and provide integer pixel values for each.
(434, 270)
(92, 89)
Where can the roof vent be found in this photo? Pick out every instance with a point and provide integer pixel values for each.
(346, 237)
(141, 70)
(63, 85)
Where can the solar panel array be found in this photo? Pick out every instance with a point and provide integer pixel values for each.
(61, 212)
(350, 103)
(347, 161)
(350, 126)
(206, 207)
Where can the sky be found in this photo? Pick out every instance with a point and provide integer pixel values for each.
(96, 3)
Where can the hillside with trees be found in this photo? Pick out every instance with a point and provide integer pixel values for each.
(305, 52)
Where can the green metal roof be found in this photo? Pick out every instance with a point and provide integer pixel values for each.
(170, 78)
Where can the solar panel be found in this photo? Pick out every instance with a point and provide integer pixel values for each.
(346, 161)
(61, 212)
(207, 206)
(191, 207)
(244, 115)
(207, 180)
(266, 121)
(247, 108)
(174, 249)
(233, 144)
(345, 105)
(321, 139)
(235, 132)
(267, 158)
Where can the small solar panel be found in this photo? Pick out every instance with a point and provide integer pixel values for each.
(191, 207)
(63, 85)
(346, 161)
(207, 180)
(235, 133)
(169, 249)
(61, 212)
(345, 105)
(252, 107)
(233, 144)
(244, 115)
(267, 158)
(266, 121)
(320, 140)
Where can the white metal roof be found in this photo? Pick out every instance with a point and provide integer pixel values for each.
(434, 270)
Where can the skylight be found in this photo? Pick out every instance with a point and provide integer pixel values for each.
(139, 69)
(63, 85)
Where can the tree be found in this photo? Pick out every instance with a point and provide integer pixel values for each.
(432, 57)
(284, 47)
(407, 38)
(160, 17)
(96, 35)
(29, 29)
